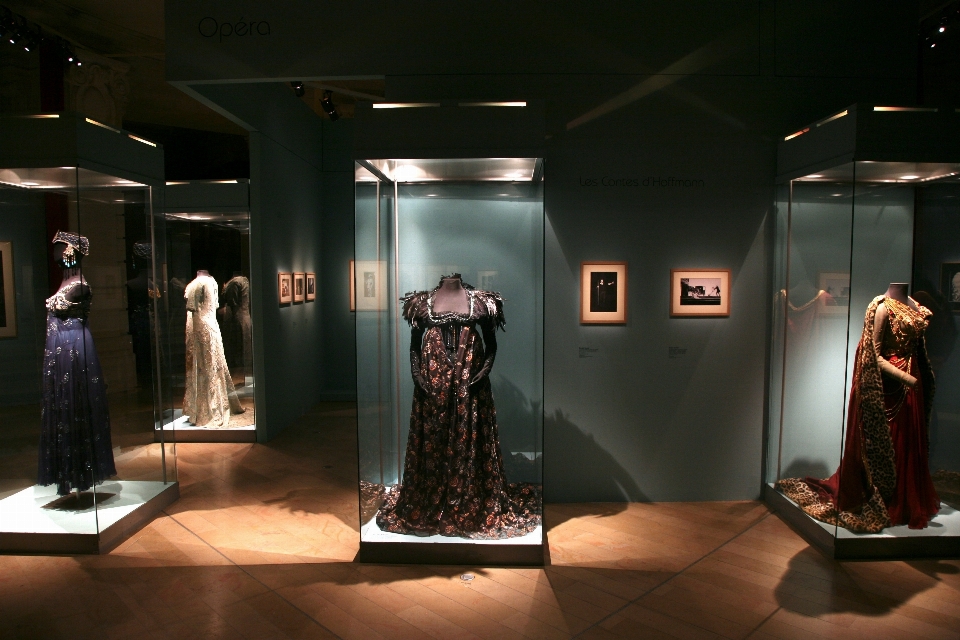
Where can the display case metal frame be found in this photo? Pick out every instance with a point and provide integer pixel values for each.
(871, 140)
(217, 202)
(75, 150)
(390, 401)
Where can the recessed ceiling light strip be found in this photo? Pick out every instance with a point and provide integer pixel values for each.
(908, 109)
(404, 105)
(100, 124)
(836, 116)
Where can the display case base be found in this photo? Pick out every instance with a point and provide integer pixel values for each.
(182, 431)
(941, 539)
(390, 548)
(31, 522)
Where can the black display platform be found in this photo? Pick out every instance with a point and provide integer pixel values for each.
(206, 435)
(459, 553)
(939, 540)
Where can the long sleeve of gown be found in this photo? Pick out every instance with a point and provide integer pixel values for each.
(489, 332)
(886, 367)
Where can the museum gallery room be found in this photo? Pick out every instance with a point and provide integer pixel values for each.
(633, 319)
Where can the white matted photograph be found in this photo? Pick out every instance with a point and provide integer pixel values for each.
(299, 286)
(836, 284)
(603, 292)
(702, 293)
(367, 281)
(285, 287)
(487, 280)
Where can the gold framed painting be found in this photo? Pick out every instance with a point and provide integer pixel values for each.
(311, 287)
(299, 286)
(603, 292)
(699, 293)
(285, 287)
(8, 294)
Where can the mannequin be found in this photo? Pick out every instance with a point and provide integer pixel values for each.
(236, 325)
(453, 479)
(451, 296)
(75, 447)
(884, 477)
(140, 291)
(210, 396)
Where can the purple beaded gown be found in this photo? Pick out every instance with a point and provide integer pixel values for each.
(75, 448)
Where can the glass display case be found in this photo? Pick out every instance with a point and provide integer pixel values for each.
(81, 324)
(208, 247)
(863, 449)
(447, 288)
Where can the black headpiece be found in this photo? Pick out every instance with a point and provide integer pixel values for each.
(75, 242)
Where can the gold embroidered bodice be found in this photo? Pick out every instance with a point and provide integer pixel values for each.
(905, 325)
(61, 306)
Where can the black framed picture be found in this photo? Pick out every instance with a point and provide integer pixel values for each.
(950, 284)
(603, 292)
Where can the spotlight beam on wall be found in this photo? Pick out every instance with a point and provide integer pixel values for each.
(710, 54)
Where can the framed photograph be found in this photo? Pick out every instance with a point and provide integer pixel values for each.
(367, 280)
(950, 284)
(603, 292)
(837, 286)
(8, 294)
(699, 293)
(311, 287)
(285, 287)
(299, 287)
(487, 280)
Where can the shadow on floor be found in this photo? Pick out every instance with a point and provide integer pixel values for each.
(814, 585)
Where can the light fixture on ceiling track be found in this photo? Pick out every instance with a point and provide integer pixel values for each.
(328, 107)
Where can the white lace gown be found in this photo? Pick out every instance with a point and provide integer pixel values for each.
(210, 395)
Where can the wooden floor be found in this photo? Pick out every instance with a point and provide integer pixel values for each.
(261, 545)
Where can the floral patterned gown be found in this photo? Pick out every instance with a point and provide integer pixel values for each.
(453, 479)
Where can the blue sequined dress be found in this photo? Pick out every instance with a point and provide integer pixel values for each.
(75, 448)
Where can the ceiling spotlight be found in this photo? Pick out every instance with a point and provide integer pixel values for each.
(328, 107)
(298, 89)
(942, 29)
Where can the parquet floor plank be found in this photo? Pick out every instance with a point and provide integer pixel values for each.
(261, 545)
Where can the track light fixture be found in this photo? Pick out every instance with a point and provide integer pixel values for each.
(298, 89)
(18, 31)
(940, 28)
(328, 107)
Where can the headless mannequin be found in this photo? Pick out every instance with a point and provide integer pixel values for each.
(451, 296)
(896, 291)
